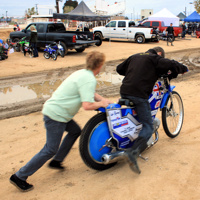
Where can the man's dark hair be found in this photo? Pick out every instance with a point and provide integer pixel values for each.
(160, 49)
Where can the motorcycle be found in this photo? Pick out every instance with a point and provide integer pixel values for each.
(107, 135)
(59, 49)
(27, 48)
(20, 44)
(14, 44)
(49, 52)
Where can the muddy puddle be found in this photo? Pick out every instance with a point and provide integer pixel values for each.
(44, 89)
(26, 93)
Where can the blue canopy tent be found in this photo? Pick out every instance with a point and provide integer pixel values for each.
(194, 17)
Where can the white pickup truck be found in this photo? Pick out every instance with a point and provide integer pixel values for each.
(125, 29)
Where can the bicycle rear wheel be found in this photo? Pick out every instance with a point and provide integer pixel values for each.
(92, 141)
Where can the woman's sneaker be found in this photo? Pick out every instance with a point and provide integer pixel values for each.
(20, 184)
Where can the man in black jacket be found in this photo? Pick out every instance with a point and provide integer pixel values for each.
(141, 71)
(183, 30)
(170, 34)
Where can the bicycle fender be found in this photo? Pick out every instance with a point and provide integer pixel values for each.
(171, 88)
(102, 109)
(110, 106)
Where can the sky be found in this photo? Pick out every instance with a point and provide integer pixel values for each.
(16, 8)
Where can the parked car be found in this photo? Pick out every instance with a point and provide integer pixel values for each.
(125, 29)
(50, 32)
(161, 26)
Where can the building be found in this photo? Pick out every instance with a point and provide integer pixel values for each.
(181, 16)
(41, 18)
(145, 13)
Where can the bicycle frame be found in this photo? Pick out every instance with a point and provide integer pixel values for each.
(108, 134)
(123, 123)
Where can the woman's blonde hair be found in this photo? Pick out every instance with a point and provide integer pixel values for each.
(32, 28)
(94, 60)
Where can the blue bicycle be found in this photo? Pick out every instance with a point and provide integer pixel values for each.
(109, 133)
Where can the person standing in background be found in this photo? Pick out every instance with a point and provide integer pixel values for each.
(183, 30)
(33, 41)
(170, 34)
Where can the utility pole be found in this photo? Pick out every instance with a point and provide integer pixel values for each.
(36, 8)
(57, 6)
(6, 17)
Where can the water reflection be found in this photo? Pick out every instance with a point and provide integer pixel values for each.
(18, 93)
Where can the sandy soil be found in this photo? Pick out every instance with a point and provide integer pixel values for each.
(172, 171)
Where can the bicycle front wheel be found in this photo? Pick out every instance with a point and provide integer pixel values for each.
(172, 115)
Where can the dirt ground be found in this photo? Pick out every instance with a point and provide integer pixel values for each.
(172, 171)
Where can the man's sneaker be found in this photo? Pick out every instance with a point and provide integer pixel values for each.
(20, 184)
(132, 160)
(56, 165)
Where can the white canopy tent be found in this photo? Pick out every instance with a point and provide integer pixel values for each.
(166, 16)
(110, 9)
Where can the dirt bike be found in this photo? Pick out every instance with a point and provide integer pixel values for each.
(59, 49)
(27, 48)
(14, 44)
(107, 135)
(49, 52)
(20, 44)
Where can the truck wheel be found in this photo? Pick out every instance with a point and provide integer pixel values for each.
(99, 41)
(140, 39)
(64, 47)
(80, 50)
(98, 34)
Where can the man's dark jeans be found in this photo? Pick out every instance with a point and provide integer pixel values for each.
(143, 110)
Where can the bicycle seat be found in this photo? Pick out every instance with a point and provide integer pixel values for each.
(126, 102)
